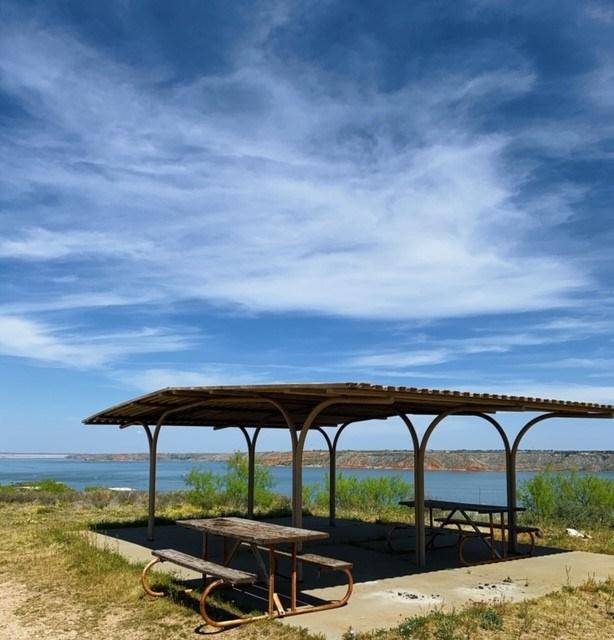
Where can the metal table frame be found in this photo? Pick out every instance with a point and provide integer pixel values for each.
(264, 536)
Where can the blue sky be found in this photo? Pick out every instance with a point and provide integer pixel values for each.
(215, 193)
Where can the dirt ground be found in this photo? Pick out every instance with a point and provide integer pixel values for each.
(55, 622)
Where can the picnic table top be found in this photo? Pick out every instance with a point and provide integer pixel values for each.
(451, 505)
(253, 531)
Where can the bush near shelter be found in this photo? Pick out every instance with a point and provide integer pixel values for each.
(359, 493)
(208, 489)
(571, 498)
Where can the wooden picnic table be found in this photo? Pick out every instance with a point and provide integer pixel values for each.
(464, 510)
(267, 536)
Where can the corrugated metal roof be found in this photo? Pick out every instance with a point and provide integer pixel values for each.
(254, 405)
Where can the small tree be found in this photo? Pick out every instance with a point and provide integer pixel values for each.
(204, 488)
(236, 480)
(208, 489)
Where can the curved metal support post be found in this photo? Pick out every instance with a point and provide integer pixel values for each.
(153, 451)
(293, 432)
(145, 581)
(418, 484)
(153, 455)
(291, 428)
(512, 489)
(297, 462)
(332, 473)
(419, 466)
(145, 428)
(152, 442)
(251, 467)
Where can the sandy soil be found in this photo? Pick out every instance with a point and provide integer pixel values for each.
(62, 621)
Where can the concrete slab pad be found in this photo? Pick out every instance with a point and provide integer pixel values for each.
(388, 587)
(385, 603)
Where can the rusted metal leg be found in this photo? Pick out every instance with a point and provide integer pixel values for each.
(492, 536)
(222, 624)
(272, 571)
(503, 539)
(145, 583)
(293, 578)
(350, 588)
(229, 554)
(334, 604)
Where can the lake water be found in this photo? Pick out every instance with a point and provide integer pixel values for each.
(474, 486)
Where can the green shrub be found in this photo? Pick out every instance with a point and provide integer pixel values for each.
(52, 486)
(205, 487)
(359, 493)
(569, 498)
(235, 483)
(208, 489)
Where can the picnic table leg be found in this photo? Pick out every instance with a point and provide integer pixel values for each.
(293, 579)
(205, 553)
(430, 543)
(260, 562)
(492, 536)
(503, 540)
(228, 556)
(274, 601)
(494, 553)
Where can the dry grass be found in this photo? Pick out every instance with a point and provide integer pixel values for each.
(55, 585)
(61, 587)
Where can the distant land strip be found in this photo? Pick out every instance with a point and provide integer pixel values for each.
(485, 460)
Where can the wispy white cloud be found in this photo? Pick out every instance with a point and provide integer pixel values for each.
(401, 359)
(43, 244)
(72, 302)
(25, 338)
(435, 351)
(257, 190)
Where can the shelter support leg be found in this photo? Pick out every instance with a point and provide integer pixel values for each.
(419, 509)
(332, 473)
(153, 454)
(251, 480)
(332, 487)
(511, 503)
(251, 468)
(297, 486)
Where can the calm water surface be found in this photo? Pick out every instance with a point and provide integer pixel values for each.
(478, 486)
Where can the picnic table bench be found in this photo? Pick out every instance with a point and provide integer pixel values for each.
(466, 527)
(477, 531)
(258, 536)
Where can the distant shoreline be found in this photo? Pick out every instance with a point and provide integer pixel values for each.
(37, 456)
(438, 460)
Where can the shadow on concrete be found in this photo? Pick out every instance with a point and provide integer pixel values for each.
(362, 543)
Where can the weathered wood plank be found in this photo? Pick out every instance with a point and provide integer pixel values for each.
(450, 505)
(261, 533)
(322, 561)
(232, 576)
